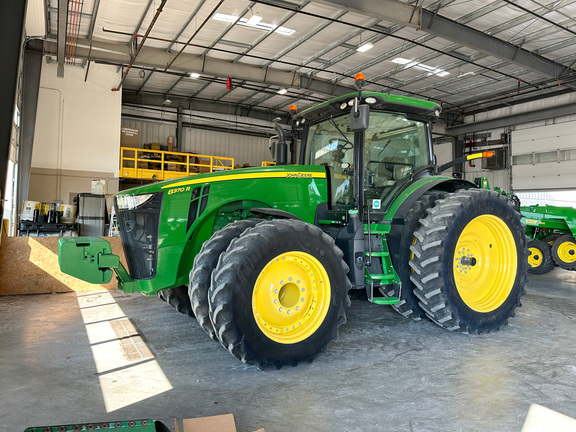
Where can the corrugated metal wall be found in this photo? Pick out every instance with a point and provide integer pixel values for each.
(243, 148)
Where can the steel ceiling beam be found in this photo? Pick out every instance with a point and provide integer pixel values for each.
(156, 58)
(490, 45)
(62, 36)
(445, 28)
(389, 10)
(93, 19)
(515, 119)
(203, 106)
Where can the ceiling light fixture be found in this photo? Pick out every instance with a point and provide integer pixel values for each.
(254, 22)
(282, 91)
(420, 66)
(365, 47)
(194, 75)
(254, 19)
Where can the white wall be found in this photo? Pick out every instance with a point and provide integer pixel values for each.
(78, 122)
(77, 135)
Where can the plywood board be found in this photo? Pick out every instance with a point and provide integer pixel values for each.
(29, 265)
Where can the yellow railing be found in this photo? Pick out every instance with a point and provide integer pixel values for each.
(268, 163)
(163, 165)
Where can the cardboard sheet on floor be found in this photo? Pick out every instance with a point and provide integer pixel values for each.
(220, 423)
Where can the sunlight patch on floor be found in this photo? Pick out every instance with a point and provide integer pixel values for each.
(127, 369)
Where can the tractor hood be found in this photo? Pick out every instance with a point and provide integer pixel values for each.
(238, 174)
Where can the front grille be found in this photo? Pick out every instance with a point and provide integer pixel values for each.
(139, 234)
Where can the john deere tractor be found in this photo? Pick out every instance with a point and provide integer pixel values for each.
(265, 257)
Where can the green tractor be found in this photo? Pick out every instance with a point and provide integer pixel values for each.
(264, 258)
(551, 230)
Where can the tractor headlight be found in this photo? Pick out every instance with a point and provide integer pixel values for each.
(129, 202)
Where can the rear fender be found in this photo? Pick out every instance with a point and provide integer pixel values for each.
(397, 228)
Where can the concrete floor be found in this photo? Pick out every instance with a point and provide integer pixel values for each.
(61, 362)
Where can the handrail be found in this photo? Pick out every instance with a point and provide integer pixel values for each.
(163, 165)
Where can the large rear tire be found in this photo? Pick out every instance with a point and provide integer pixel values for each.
(540, 259)
(178, 299)
(470, 261)
(204, 264)
(564, 252)
(408, 305)
(279, 294)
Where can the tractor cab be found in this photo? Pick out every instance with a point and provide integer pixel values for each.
(372, 145)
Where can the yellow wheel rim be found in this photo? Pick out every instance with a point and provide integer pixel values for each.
(291, 297)
(567, 251)
(485, 263)
(535, 258)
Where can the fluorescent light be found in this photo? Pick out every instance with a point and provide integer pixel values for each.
(254, 22)
(254, 19)
(421, 66)
(224, 17)
(363, 48)
(194, 75)
(282, 91)
(284, 31)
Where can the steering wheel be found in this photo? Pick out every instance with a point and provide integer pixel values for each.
(347, 146)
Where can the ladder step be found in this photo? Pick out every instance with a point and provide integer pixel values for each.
(377, 254)
(381, 276)
(385, 300)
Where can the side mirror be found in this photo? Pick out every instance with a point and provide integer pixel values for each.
(359, 118)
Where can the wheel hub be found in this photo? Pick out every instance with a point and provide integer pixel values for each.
(485, 263)
(567, 251)
(534, 259)
(291, 297)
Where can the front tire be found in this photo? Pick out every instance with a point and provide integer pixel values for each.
(279, 294)
(178, 299)
(470, 261)
(540, 259)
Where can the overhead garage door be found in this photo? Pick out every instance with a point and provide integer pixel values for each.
(544, 158)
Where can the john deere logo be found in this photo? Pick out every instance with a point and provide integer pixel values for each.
(299, 175)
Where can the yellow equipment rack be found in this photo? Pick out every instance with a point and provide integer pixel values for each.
(163, 165)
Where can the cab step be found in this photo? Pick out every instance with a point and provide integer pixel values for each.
(385, 300)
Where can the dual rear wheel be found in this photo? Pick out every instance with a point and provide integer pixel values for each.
(554, 249)
(564, 252)
(277, 293)
(470, 261)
